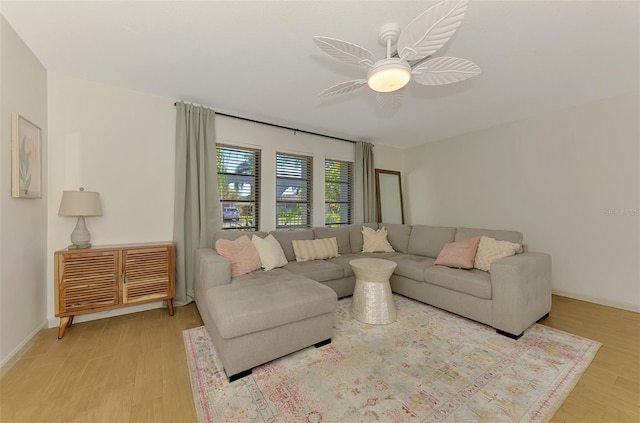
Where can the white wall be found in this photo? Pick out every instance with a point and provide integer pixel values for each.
(570, 181)
(120, 143)
(23, 223)
(388, 158)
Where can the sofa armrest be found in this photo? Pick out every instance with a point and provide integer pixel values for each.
(521, 291)
(211, 270)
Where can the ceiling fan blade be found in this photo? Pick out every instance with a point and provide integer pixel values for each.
(343, 88)
(444, 70)
(344, 51)
(431, 29)
(391, 100)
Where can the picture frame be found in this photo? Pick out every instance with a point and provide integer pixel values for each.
(26, 158)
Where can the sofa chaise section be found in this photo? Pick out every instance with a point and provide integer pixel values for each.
(261, 315)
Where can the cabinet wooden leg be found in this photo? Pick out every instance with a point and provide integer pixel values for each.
(70, 321)
(64, 324)
(170, 306)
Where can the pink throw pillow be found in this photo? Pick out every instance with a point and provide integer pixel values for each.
(459, 254)
(242, 254)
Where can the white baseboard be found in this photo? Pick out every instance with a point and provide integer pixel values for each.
(55, 322)
(17, 352)
(597, 300)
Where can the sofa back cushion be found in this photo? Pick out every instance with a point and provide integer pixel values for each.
(355, 236)
(428, 241)
(500, 235)
(342, 236)
(232, 235)
(398, 235)
(285, 238)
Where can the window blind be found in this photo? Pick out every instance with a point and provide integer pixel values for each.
(239, 187)
(338, 192)
(293, 191)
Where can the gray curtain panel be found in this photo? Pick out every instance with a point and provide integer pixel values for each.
(365, 184)
(197, 204)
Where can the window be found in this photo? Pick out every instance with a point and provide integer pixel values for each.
(293, 191)
(338, 188)
(239, 186)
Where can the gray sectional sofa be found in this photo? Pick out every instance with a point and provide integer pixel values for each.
(260, 316)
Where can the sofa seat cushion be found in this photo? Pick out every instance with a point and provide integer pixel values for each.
(343, 261)
(261, 300)
(318, 270)
(411, 266)
(473, 282)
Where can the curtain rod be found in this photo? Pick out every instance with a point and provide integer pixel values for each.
(280, 126)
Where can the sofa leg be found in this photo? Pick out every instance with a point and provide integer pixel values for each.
(322, 343)
(240, 375)
(509, 335)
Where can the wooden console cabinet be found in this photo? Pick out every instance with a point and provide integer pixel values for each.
(103, 278)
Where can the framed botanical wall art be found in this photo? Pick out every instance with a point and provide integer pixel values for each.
(26, 158)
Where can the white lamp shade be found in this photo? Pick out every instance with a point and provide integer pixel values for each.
(389, 75)
(80, 203)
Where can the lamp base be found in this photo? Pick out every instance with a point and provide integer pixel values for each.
(79, 246)
(80, 237)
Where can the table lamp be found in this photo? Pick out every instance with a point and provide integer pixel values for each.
(81, 204)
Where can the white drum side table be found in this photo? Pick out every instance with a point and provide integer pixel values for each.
(372, 300)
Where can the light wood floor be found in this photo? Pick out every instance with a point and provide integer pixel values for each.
(133, 369)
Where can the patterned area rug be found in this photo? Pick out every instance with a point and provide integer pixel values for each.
(428, 366)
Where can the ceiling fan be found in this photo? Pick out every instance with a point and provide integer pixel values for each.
(415, 45)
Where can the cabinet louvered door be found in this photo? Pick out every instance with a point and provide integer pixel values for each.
(114, 276)
(87, 281)
(147, 274)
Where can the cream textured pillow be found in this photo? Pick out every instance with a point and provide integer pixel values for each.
(241, 253)
(490, 250)
(315, 249)
(270, 251)
(459, 254)
(375, 241)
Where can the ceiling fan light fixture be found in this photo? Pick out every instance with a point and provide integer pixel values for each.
(389, 75)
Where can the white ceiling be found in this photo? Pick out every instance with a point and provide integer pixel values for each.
(257, 59)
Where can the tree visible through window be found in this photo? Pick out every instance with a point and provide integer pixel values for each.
(293, 191)
(338, 186)
(238, 184)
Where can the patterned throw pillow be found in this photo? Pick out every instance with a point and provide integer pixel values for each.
(490, 250)
(315, 249)
(241, 253)
(375, 241)
(270, 252)
(459, 254)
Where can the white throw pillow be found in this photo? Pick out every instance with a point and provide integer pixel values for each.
(270, 252)
(490, 250)
(315, 249)
(375, 241)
